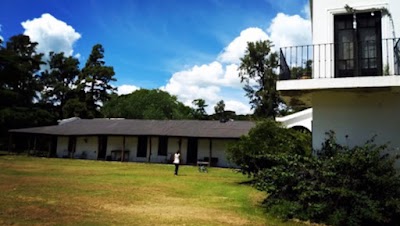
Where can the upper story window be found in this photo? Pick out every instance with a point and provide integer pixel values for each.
(358, 44)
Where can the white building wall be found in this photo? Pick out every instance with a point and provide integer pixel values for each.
(116, 143)
(203, 148)
(86, 147)
(173, 146)
(62, 146)
(89, 145)
(357, 115)
(323, 30)
(131, 145)
(323, 11)
(219, 147)
(153, 148)
(154, 151)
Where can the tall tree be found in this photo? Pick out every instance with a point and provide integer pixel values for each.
(95, 80)
(257, 71)
(200, 111)
(19, 71)
(19, 86)
(60, 81)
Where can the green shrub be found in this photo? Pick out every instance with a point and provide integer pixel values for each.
(339, 186)
(259, 149)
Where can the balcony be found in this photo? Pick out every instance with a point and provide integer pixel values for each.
(356, 67)
(359, 59)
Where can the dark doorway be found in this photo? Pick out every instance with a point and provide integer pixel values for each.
(102, 148)
(71, 146)
(142, 146)
(192, 151)
(162, 145)
(53, 146)
(358, 44)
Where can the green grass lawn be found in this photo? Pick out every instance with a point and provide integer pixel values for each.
(44, 191)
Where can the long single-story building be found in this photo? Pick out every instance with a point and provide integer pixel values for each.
(136, 140)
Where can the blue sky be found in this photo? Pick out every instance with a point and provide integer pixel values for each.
(188, 48)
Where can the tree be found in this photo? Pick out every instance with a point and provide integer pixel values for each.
(60, 81)
(95, 81)
(219, 109)
(200, 111)
(19, 86)
(74, 107)
(257, 71)
(264, 143)
(146, 104)
(19, 77)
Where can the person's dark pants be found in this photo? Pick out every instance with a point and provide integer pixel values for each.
(176, 169)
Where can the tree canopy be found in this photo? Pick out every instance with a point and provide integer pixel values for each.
(36, 91)
(146, 104)
(258, 71)
(96, 78)
(200, 111)
(60, 81)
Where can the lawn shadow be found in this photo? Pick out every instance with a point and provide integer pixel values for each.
(247, 182)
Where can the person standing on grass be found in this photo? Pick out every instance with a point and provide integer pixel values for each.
(177, 161)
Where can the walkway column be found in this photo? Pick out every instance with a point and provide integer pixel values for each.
(149, 158)
(10, 142)
(210, 153)
(34, 145)
(123, 149)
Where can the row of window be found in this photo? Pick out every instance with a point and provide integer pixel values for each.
(141, 147)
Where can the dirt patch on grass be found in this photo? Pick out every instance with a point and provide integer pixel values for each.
(171, 209)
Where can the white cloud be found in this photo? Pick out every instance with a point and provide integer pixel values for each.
(126, 89)
(288, 30)
(235, 50)
(239, 107)
(204, 74)
(51, 34)
(205, 82)
(197, 82)
(219, 79)
(77, 56)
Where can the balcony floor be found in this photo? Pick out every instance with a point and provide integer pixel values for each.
(339, 83)
(302, 89)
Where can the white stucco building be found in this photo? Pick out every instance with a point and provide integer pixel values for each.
(353, 80)
(131, 140)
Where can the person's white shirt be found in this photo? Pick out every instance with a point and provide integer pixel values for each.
(176, 158)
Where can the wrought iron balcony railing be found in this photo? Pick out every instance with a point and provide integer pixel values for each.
(345, 59)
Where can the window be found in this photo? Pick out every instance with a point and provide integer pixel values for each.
(162, 145)
(142, 146)
(358, 45)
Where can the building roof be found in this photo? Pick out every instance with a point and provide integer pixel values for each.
(135, 127)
